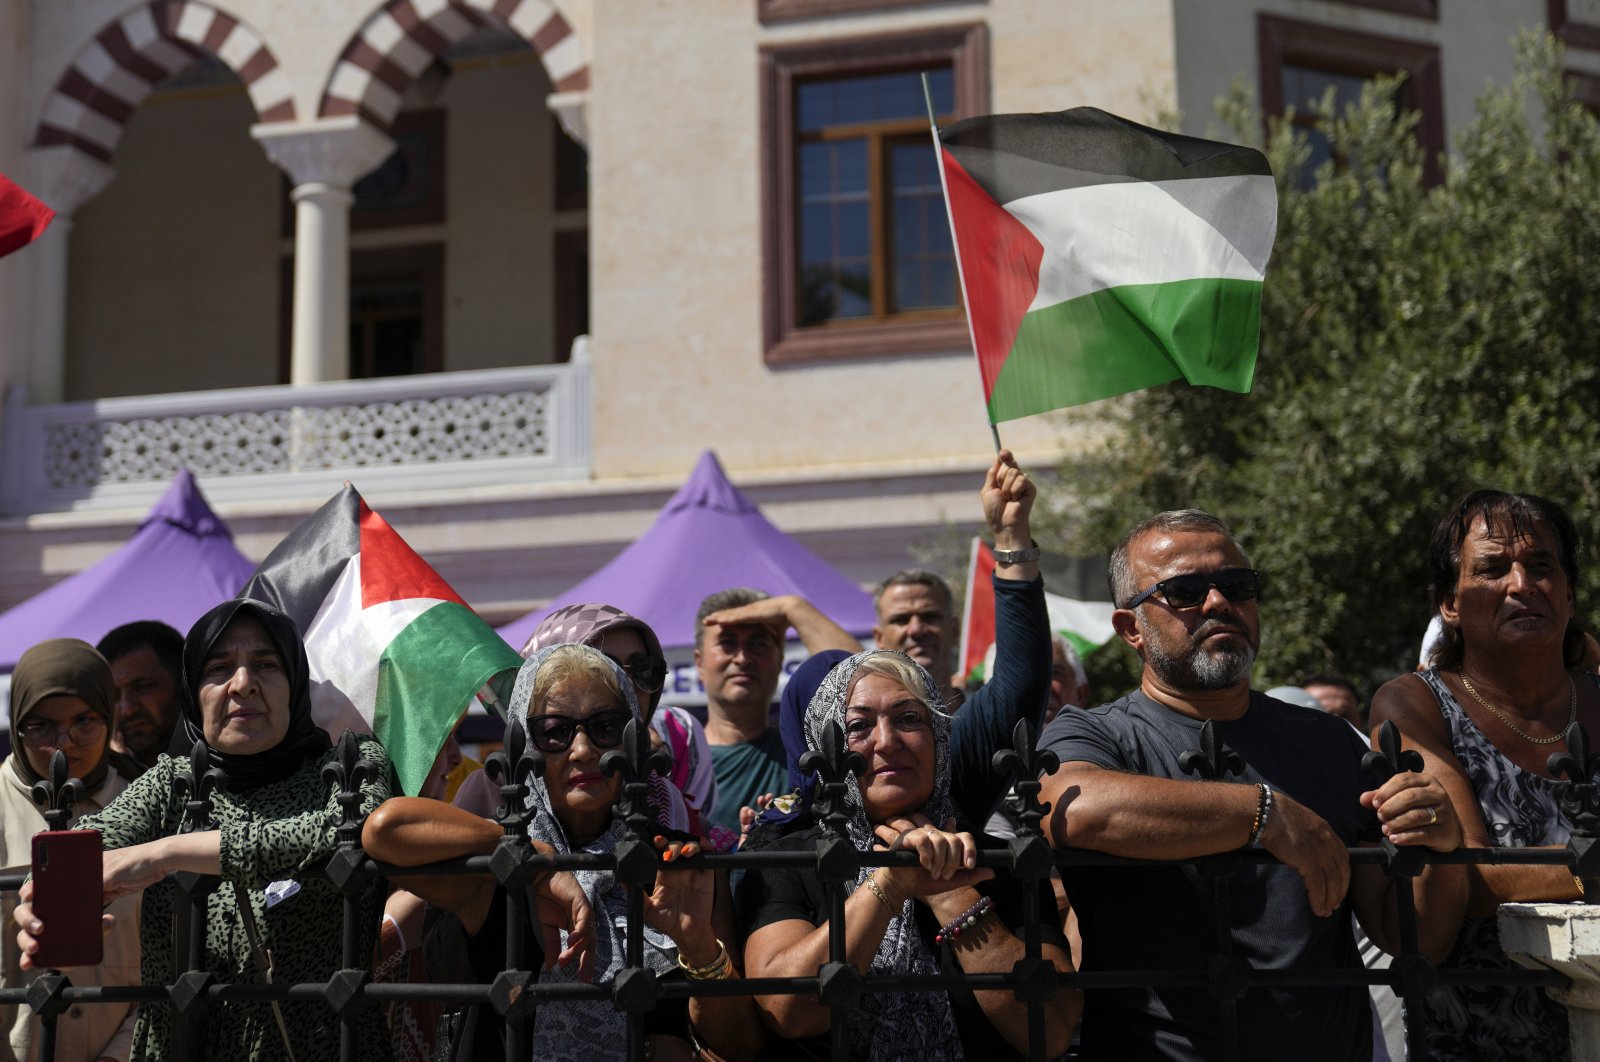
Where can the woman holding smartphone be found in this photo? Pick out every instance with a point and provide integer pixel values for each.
(246, 698)
(61, 700)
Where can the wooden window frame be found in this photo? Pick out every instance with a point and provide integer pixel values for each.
(965, 49)
(1585, 89)
(1283, 41)
(425, 260)
(1575, 33)
(1428, 9)
(771, 11)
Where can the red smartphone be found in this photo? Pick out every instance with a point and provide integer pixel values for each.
(67, 898)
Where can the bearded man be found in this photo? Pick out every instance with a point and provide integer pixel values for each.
(1186, 597)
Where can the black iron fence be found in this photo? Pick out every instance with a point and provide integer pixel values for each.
(515, 992)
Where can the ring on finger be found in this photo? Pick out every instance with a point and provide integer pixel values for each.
(1433, 815)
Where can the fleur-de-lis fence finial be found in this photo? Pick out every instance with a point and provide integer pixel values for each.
(833, 764)
(1390, 759)
(349, 771)
(55, 793)
(1580, 803)
(1212, 761)
(510, 768)
(196, 785)
(637, 857)
(1030, 856)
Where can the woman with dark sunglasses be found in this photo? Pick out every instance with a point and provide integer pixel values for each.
(576, 704)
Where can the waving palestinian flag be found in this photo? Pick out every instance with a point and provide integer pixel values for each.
(1099, 256)
(393, 650)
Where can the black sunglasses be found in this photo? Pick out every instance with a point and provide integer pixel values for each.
(555, 733)
(647, 673)
(1187, 591)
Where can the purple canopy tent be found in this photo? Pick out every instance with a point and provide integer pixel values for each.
(178, 564)
(709, 537)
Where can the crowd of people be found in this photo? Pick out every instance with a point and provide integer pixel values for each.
(1499, 688)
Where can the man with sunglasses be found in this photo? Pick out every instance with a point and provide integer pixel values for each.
(1187, 605)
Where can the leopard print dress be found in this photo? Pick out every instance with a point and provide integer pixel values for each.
(1485, 1023)
(279, 832)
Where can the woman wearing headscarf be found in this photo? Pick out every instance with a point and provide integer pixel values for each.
(61, 700)
(898, 918)
(1502, 683)
(575, 703)
(629, 643)
(246, 699)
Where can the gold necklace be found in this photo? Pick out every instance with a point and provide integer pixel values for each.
(1572, 712)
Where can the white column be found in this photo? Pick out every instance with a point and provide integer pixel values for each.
(324, 159)
(64, 178)
(1564, 937)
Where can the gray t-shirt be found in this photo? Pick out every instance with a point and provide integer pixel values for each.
(1140, 918)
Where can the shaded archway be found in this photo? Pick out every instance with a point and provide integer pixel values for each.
(398, 42)
(115, 71)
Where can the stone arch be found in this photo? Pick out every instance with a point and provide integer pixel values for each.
(398, 41)
(114, 72)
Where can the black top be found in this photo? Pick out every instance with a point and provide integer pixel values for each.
(1161, 918)
(786, 893)
(454, 957)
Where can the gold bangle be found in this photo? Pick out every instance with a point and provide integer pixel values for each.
(877, 890)
(1582, 892)
(715, 970)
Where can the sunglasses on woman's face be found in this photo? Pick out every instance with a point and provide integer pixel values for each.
(555, 733)
(1187, 591)
(647, 673)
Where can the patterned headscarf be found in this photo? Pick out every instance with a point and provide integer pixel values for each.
(304, 738)
(62, 667)
(586, 1029)
(584, 624)
(691, 756)
(896, 1026)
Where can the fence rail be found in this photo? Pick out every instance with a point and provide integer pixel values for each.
(516, 992)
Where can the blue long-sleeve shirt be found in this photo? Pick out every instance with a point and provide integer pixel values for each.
(1019, 688)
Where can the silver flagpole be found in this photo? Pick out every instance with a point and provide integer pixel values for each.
(944, 189)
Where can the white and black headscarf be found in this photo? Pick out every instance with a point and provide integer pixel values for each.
(587, 1029)
(898, 1026)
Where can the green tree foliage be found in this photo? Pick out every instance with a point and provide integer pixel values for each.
(1416, 342)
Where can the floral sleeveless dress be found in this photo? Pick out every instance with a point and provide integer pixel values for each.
(1485, 1023)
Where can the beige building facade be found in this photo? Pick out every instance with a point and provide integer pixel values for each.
(511, 265)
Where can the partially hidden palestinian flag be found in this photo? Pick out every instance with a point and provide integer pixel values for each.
(1099, 256)
(23, 218)
(393, 650)
(1086, 625)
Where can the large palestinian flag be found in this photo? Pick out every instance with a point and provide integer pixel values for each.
(393, 650)
(1099, 256)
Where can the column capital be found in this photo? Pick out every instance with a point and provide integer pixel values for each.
(572, 111)
(1564, 937)
(65, 178)
(336, 151)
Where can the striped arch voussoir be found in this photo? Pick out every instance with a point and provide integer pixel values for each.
(114, 72)
(398, 42)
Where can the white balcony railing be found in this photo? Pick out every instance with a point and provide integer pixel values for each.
(457, 429)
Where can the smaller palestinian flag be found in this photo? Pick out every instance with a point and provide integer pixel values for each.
(23, 218)
(393, 650)
(1086, 625)
(1099, 256)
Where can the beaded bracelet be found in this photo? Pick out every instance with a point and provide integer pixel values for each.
(965, 921)
(1263, 815)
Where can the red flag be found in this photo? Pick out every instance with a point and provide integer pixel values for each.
(22, 217)
(977, 624)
